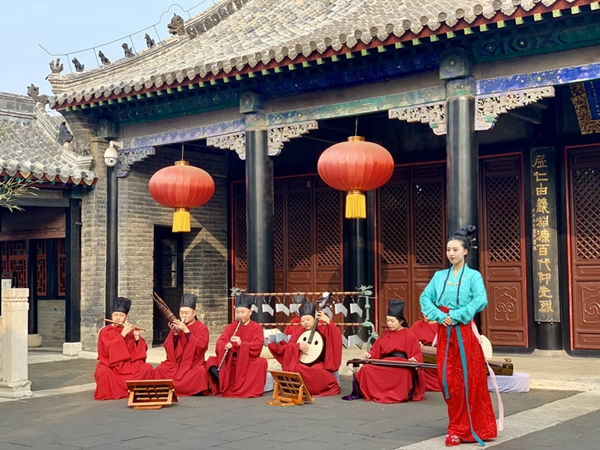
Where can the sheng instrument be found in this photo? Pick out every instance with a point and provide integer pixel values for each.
(227, 349)
(163, 308)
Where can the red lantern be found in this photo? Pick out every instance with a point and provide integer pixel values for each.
(181, 187)
(356, 166)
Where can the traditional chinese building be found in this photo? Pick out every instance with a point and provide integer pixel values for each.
(489, 109)
(43, 225)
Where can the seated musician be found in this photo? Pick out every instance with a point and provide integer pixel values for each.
(237, 370)
(426, 332)
(122, 355)
(391, 384)
(318, 376)
(295, 325)
(185, 346)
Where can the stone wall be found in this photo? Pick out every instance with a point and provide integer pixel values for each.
(51, 322)
(205, 248)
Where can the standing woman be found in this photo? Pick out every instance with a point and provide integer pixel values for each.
(452, 298)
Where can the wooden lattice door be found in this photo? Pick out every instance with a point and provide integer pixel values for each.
(502, 251)
(584, 229)
(307, 223)
(411, 229)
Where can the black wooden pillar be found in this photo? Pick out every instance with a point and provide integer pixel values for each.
(32, 314)
(73, 272)
(461, 145)
(259, 202)
(112, 260)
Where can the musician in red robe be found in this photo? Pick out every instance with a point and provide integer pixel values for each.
(318, 376)
(392, 384)
(185, 346)
(122, 355)
(237, 370)
(295, 326)
(426, 331)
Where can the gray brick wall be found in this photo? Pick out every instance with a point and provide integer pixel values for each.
(205, 248)
(51, 322)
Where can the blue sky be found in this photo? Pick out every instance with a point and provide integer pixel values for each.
(68, 26)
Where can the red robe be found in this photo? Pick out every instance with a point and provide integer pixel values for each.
(393, 384)
(318, 377)
(425, 333)
(482, 412)
(244, 372)
(185, 363)
(121, 359)
(292, 329)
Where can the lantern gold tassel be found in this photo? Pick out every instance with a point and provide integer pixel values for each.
(181, 220)
(356, 205)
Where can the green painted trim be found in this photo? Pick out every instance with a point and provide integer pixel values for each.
(358, 107)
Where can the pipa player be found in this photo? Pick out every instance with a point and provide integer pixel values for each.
(318, 375)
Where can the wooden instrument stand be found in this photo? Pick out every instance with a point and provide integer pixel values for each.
(151, 394)
(289, 389)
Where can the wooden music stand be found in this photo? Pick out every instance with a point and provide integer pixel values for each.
(151, 394)
(289, 389)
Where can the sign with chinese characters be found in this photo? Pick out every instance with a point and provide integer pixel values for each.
(543, 236)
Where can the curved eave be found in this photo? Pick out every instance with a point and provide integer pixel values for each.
(48, 179)
(348, 46)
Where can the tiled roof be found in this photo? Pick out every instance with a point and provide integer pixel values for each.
(234, 36)
(29, 148)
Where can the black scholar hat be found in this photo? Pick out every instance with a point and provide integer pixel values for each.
(121, 304)
(396, 308)
(189, 300)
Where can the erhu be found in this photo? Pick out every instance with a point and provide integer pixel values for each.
(227, 349)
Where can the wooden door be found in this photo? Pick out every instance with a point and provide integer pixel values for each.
(584, 246)
(411, 230)
(502, 250)
(168, 277)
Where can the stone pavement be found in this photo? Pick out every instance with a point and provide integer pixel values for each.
(561, 411)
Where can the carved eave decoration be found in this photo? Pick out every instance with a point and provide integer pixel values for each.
(579, 97)
(487, 109)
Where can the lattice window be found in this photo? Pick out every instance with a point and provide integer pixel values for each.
(428, 222)
(503, 210)
(394, 234)
(586, 187)
(278, 245)
(42, 267)
(17, 262)
(241, 245)
(329, 249)
(62, 267)
(299, 230)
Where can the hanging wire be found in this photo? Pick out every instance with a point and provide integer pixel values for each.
(182, 150)
(356, 126)
(93, 49)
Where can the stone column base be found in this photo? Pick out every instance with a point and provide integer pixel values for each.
(20, 389)
(34, 340)
(72, 348)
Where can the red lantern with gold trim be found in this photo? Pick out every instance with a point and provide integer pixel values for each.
(181, 187)
(356, 166)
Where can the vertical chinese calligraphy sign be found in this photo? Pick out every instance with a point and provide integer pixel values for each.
(543, 235)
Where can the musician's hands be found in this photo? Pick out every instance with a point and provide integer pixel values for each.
(127, 327)
(236, 340)
(324, 317)
(178, 325)
(303, 347)
(412, 359)
(366, 355)
(136, 333)
(228, 346)
(447, 321)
